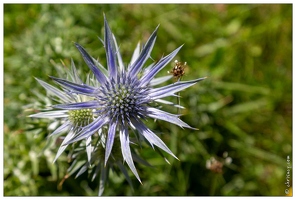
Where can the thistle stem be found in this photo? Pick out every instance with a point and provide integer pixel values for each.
(178, 99)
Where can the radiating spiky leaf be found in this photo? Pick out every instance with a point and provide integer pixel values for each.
(171, 89)
(126, 152)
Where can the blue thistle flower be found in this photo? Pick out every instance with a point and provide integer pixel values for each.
(70, 120)
(100, 113)
(123, 97)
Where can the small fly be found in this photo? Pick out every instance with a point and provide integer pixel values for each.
(178, 72)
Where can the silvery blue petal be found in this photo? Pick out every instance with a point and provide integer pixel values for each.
(135, 55)
(79, 105)
(119, 59)
(110, 139)
(147, 69)
(74, 74)
(82, 170)
(63, 146)
(160, 80)
(51, 114)
(82, 89)
(89, 148)
(150, 136)
(96, 172)
(62, 128)
(136, 67)
(54, 124)
(158, 66)
(103, 178)
(90, 129)
(90, 63)
(110, 50)
(162, 115)
(171, 89)
(101, 67)
(126, 152)
(169, 103)
(62, 95)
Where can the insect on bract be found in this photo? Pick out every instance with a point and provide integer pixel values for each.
(178, 70)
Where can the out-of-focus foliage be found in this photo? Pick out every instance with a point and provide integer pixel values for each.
(243, 108)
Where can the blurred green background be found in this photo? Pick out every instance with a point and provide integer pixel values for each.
(244, 108)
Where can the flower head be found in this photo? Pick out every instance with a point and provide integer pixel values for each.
(123, 97)
(117, 101)
(70, 120)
